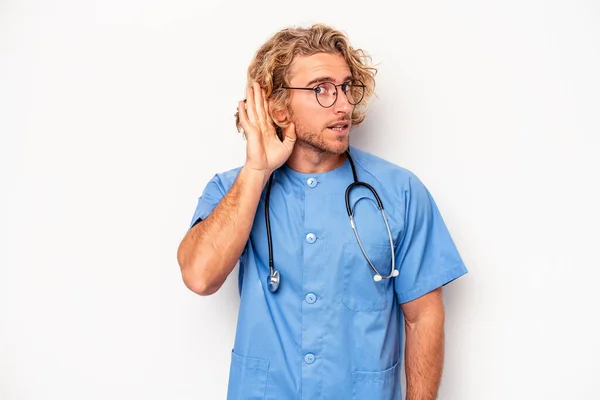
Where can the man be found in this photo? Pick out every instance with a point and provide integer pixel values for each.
(322, 319)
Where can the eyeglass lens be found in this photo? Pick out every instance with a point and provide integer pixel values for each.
(327, 93)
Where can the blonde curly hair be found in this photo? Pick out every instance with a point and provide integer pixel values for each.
(271, 64)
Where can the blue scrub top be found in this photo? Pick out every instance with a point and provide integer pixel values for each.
(331, 331)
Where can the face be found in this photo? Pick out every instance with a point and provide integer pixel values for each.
(320, 129)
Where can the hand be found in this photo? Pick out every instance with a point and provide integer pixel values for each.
(265, 152)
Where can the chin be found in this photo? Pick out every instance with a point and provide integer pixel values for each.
(338, 146)
(335, 145)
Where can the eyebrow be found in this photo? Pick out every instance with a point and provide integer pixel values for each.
(327, 79)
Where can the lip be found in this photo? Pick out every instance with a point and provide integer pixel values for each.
(342, 131)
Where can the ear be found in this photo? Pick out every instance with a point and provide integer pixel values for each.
(278, 116)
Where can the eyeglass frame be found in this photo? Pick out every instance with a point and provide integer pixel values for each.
(362, 85)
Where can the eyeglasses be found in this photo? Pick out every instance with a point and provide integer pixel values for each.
(327, 93)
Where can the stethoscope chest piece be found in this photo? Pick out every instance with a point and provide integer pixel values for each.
(273, 281)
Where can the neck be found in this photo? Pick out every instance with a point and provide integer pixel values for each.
(313, 162)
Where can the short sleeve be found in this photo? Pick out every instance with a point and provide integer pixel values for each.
(211, 196)
(426, 256)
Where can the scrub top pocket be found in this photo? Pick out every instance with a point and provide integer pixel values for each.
(378, 385)
(360, 292)
(247, 378)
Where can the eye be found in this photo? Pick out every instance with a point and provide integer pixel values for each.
(346, 86)
(321, 89)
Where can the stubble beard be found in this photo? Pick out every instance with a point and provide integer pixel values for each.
(315, 142)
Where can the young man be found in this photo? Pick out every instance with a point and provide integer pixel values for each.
(329, 282)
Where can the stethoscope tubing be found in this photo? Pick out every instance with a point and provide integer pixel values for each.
(274, 278)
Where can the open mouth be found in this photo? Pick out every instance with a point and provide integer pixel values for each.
(341, 127)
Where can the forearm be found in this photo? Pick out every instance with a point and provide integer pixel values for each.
(424, 356)
(209, 251)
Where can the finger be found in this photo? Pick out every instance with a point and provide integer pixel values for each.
(267, 107)
(244, 118)
(259, 102)
(251, 107)
(262, 111)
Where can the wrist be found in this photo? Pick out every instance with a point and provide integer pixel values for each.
(255, 176)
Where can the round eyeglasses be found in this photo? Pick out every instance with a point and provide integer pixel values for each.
(327, 93)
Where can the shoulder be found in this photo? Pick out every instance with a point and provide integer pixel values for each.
(399, 184)
(389, 174)
(224, 180)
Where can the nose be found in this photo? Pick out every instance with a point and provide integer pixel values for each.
(342, 105)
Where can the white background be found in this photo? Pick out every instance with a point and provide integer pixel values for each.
(114, 115)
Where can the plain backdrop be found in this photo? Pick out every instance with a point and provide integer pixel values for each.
(115, 114)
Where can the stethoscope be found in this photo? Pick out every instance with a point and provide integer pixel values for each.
(274, 278)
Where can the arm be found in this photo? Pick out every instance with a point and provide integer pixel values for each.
(424, 348)
(209, 251)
